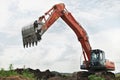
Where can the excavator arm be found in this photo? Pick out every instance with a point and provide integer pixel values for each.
(50, 17)
(93, 59)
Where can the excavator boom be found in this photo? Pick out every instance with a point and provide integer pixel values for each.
(42, 24)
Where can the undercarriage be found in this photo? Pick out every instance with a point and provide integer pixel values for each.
(84, 75)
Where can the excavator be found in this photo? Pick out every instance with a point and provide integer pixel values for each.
(94, 59)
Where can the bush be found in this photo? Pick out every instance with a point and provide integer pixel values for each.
(95, 77)
(27, 74)
(117, 76)
(8, 73)
(11, 72)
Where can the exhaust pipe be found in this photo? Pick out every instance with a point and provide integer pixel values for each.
(32, 33)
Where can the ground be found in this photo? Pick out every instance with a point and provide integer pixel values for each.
(46, 75)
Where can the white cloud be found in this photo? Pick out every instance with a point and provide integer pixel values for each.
(39, 5)
(59, 48)
(4, 13)
(91, 17)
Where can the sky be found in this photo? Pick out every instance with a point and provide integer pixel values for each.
(59, 49)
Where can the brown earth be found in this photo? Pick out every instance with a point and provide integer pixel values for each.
(61, 78)
(49, 75)
(14, 78)
(46, 75)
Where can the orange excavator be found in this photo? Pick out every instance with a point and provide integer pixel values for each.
(94, 60)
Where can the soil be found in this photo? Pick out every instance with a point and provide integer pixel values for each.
(13, 78)
(45, 75)
(49, 75)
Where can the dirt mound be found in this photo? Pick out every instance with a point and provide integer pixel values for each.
(37, 73)
(14, 78)
(49, 75)
(62, 78)
(56, 78)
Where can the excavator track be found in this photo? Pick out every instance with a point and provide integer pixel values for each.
(83, 75)
(108, 75)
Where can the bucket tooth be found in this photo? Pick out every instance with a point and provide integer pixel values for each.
(36, 43)
(24, 45)
(29, 44)
(32, 43)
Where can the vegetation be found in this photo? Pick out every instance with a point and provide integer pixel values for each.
(27, 74)
(4, 73)
(11, 72)
(30, 76)
(95, 77)
(117, 76)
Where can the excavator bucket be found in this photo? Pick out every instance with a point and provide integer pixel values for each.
(31, 34)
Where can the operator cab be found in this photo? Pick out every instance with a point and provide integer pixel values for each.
(97, 59)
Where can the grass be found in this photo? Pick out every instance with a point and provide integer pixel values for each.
(12, 72)
(117, 76)
(95, 77)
